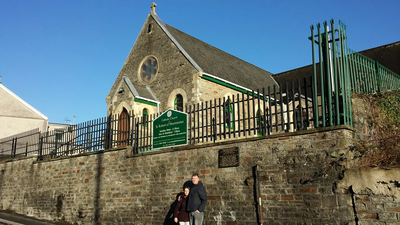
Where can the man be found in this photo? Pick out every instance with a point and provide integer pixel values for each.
(197, 201)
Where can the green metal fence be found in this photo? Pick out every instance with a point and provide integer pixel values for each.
(387, 78)
(339, 71)
(331, 89)
(368, 76)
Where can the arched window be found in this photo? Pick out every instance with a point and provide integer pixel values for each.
(228, 114)
(178, 103)
(259, 123)
(145, 118)
(123, 128)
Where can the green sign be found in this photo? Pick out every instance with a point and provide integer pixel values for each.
(170, 129)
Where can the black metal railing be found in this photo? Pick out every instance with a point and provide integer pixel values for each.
(257, 113)
(20, 145)
(291, 107)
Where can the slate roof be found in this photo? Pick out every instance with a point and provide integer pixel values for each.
(145, 93)
(216, 62)
(138, 91)
(387, 55)
(24, 112)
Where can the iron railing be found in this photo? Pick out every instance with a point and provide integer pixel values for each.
(20, 145)
(257, 113)
(338, 71)
(292, 107)
(368, 76)
(250, 114)
(331, 75)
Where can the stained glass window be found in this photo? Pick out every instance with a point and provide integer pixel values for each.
(148, 70)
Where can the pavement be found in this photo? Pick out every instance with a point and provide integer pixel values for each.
(9, 218)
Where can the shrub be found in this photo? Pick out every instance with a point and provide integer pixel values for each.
(384, 149)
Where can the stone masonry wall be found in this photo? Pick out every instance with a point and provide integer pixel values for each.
(298, 176)
(375, 194)
(305, 178)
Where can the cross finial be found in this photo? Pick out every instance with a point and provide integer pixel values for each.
(153, 8)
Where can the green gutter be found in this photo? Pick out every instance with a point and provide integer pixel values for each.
(229, 85)
(145, 102)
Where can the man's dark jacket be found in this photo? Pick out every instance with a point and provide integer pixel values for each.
(197, 198)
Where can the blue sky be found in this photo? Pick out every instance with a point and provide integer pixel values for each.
(62, 56)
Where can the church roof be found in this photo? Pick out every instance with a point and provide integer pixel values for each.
(213, 61)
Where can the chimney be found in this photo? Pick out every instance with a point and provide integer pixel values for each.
(0, 79)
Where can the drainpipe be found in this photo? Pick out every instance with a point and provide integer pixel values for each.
(352, 193)
(258, 193)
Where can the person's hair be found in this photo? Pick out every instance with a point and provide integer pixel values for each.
(186, 187)
(195, 175)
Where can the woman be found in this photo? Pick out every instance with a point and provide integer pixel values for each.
(180, 213)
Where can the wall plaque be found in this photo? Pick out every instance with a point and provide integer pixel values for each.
(228, 157)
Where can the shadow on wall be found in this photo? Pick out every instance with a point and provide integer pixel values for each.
(169, 218)
(1, 186)
(97, 189)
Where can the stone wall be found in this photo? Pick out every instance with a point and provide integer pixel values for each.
(375, 194)
(304, 177)
(298, 175)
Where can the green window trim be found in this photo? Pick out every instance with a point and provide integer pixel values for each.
(145, 102)
(259, 116)
(242, 90)
(228, 113)
(178, 103)
(145, 117)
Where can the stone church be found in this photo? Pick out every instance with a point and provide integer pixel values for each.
(169, 69)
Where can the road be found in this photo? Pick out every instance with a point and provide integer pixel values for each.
(7, 218)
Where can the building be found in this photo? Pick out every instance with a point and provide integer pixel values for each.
(17, 116)
(169, 69)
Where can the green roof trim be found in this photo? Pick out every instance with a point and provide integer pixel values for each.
(145, 102)
(204, 76)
